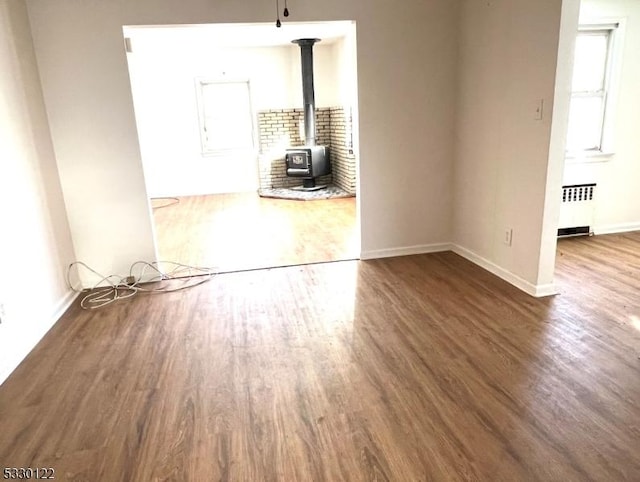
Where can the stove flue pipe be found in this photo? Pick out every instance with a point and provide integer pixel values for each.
(306, 56)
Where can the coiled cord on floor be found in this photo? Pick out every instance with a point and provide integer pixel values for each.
(180, 277)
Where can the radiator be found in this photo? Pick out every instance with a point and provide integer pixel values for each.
(577, 209)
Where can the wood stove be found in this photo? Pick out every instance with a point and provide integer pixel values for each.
(310, 161)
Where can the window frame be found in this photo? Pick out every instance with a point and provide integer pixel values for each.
(605, 150)
(205, 150)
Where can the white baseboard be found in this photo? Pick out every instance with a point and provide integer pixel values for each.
(405, 251)
(616, 228)
(58, 310)
(537, 291)
(549, 289)
(61, 307)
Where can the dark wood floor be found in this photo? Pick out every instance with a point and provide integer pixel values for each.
(238, 231)
(418, 368)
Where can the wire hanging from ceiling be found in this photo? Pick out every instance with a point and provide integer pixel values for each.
(285, 12)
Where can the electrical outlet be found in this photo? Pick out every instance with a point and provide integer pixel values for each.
(508, 236)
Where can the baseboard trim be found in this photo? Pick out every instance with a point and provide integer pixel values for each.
(63, 305)
(405, 251)
(537, 291)
(616, 228)
(549, 289)
(59, 309)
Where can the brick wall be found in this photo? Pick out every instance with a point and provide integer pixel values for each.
(343, 161)
(280, 129)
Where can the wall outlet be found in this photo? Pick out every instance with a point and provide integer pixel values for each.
(508, 236)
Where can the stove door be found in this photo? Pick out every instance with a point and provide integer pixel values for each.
(298, 163)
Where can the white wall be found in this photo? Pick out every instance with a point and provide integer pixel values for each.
(617, 196)
(163, 65)
(559, 126)
(344, 56)
(406, 87)
(35, 243)
(507, 63)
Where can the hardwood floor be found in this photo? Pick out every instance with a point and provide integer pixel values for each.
(417, 368)
(244, 231)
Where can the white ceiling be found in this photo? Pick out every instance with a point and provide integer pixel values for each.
(256, 34)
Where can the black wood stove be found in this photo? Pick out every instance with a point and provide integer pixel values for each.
(310, 161)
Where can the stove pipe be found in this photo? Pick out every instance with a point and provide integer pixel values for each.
(306, 56)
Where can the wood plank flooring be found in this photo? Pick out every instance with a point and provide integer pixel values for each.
(417, 368)
(244, 231)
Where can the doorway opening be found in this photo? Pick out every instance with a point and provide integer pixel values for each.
(217, 107)
(600, 148)
(590, 141)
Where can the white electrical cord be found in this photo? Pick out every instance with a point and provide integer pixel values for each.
(170, 201)
(122, 287)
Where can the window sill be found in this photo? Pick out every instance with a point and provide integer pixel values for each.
(588, 156)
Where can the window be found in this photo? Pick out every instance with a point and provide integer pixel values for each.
(226, 119)
(590, 94)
